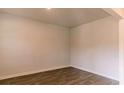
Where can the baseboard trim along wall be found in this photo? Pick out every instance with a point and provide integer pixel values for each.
(94, 72)
(53, 68)
(30, 72)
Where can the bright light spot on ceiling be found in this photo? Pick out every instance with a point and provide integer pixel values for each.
(48, 8)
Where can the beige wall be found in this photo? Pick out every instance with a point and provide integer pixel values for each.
(119, 11)
(28, 46)
(121, 50)
(94, 47)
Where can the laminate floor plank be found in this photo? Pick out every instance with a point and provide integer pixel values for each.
(64, 76)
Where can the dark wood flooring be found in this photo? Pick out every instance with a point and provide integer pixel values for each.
(64, 76)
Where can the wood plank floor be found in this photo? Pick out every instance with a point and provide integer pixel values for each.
(64, 76)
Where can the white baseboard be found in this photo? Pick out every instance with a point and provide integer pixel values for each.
(30, 72)
(48, 69)
(95, 72)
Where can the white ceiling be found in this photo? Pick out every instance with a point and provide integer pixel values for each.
(68, 17)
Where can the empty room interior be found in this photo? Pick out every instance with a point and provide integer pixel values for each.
(59, 46)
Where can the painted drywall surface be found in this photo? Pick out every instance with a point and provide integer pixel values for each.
(115, 12)
(29, 46)
(94, 47)
(119, 11)
(121, 51)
